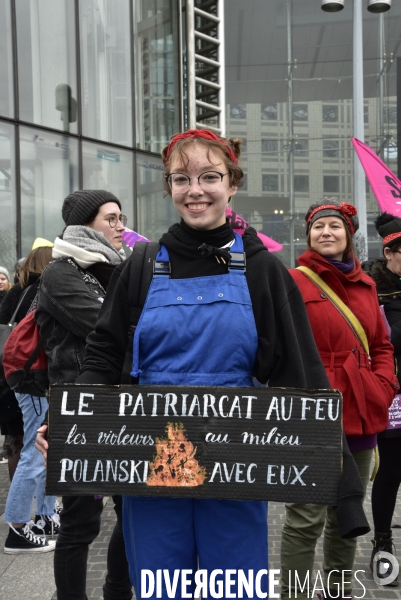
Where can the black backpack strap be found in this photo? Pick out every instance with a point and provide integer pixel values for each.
(141, 273)
(24, 293)
(34, 355)
(151, 250)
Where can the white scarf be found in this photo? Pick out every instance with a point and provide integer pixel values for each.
(86, 246)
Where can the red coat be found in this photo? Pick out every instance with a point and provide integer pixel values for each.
(367, 386)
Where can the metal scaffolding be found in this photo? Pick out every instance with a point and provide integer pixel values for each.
(205, 65)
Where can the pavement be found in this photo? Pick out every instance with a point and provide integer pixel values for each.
(28, 577)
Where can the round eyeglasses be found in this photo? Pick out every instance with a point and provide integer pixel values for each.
(208, 181)
(113, 220)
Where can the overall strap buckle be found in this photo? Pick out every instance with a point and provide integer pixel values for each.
(161, 268)
(237, 262)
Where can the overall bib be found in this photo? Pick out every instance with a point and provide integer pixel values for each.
(198, 331)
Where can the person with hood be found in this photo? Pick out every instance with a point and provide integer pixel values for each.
(258, 328)
(358, 359)
(386, 273)
(71, 294)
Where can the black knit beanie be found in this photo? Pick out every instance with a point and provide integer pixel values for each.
(389, 228)
(82, 206)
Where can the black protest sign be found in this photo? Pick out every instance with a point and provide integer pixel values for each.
(277, 444)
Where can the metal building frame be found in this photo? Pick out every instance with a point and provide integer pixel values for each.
(205, 65)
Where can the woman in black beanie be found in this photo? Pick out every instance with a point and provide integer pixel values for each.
(71, 294)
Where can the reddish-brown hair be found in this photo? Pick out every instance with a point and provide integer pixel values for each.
(228, 149)
(35, 261)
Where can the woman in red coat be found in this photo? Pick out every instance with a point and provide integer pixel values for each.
(366, 381)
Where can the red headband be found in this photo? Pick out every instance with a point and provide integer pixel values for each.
(346, 210)
(205, 134)
(391, 237)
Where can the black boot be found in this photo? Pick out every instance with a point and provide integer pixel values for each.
(383, 542)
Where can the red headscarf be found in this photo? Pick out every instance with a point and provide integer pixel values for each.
(391, 237)
(346, 210)
(205, 134)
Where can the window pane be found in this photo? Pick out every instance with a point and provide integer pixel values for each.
(301, 183)
(270, 147)
(301, 148)
(330, 149)
(157, 73)
(6, 63)
(300, 112)
(46, 63)
(8, 222)
(390, 150)
(49, 172)
(390, 114)
(269, 112)
(330, 113)
(105, 168)
(331, 184)
(238, 111)
(106, 70)
(270, 183)
(155, 213)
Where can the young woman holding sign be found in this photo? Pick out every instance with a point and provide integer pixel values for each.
(253, 324)
(358, 358)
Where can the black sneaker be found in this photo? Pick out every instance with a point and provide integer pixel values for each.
(22, 539)
(46, 525)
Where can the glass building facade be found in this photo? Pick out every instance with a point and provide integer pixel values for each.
(93, 89)
(289, 71)
(90, 94)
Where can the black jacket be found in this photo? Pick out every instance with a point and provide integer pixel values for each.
(12, 298)
(388, 286)
(3, 294)
(287, 355)
(68, 305)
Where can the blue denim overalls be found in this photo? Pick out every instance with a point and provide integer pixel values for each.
(198, 331)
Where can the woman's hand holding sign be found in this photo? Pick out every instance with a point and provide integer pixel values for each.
(41, 441)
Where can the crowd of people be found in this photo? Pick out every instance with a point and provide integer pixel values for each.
(315, 327)
(28, 472)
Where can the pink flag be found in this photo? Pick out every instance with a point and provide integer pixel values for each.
(130, 237)
(385, 185)
(239, 225)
